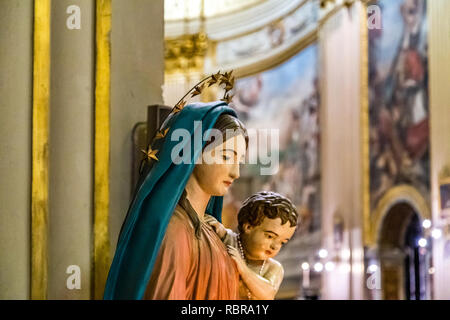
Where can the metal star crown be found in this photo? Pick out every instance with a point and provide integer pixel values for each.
(225, 79)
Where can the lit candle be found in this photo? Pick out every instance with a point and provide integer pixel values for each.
(305, 268)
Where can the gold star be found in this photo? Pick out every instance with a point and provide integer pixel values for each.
(229, 84)
(214, 79)
(198, 90)
(151, 154)
(227, 98)
(179, 107)
(225, 79)
(161, 134)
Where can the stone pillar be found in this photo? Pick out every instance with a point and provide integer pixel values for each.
(137, 71)
(16, 88)
(341, 150)
(71, 149)
(439, 71)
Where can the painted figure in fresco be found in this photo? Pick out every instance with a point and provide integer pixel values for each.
(300, 159)
(400, 129)
(267, 221)
(165, 248)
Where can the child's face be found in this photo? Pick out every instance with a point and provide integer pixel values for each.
(265, 240)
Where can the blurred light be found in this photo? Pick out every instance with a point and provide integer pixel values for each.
(426, 223)
(345, 267)
(318, 267)
(422, 242)
(431, 270)
(305, 266)
(345, 254)
(372, 268)
(323, 253)
(436, 233)
(329, 266)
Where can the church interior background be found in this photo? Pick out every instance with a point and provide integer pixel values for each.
(358, 90)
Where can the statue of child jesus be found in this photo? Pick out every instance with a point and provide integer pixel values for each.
(266, 221)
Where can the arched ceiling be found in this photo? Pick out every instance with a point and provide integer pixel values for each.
(191, 9)
(223, 18)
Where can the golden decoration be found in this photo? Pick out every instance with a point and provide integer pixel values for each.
(151, 154)
(102, 147)
(198, 90)
(225, 78)
(39, 183)
(217, 78)
(364, 121)
(214, 79)
(229, 84)
(347, 3)
(228, 97)
(179, 106)
(186, 52)
(161, 134)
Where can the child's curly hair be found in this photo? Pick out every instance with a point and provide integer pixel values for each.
(266, 204)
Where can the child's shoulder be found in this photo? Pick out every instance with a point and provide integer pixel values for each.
(274, 273)
(273, 266)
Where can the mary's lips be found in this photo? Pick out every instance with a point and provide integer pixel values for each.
(228, 183)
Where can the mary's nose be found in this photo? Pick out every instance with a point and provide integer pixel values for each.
(234, 172)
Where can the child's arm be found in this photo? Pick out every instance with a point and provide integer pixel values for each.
(263, 288)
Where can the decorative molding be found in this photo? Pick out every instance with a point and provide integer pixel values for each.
(40, 178)
(282, 32)
(244, 5)
(275, 58)
(238, 24)
(102, 146)
(186, 53)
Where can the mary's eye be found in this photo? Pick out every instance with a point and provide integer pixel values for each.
(269, 236)
(226, 158)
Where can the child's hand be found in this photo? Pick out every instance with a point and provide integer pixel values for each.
(216, 225)
(236, 256)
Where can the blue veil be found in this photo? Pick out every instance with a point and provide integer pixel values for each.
(155, 200)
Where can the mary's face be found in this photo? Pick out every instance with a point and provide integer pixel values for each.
(215, 177)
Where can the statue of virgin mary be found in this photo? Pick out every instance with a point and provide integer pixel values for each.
(165, 249)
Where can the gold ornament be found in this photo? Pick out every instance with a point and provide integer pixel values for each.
(161, 134)
(217, 78)
(151, 154)
(179, 106)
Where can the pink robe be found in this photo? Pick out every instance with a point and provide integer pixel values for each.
(191, 268)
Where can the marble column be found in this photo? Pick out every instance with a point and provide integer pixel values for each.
(340, 116)
(71, 148)
(439, 73)
(137, 72)
(16, 88)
